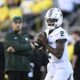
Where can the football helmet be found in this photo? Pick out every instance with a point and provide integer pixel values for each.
(53, 18)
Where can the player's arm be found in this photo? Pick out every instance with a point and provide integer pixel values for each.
(58, 51)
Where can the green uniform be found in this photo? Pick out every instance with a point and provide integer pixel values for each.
(19, 60)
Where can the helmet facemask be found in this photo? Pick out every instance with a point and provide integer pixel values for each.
(51, 23)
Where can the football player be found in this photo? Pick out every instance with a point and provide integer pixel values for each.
(55, 40)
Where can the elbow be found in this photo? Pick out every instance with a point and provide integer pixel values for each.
(59, 57)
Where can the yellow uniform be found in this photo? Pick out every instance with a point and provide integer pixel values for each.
(4, 13)
(15, 12)
(70, 51)
(42, 5)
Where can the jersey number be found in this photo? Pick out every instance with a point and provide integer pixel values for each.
(62, 33)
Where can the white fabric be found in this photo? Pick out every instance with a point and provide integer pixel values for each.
(58, 69)
(55, 35)
(26, 6)
(66, 5)
(56, 72)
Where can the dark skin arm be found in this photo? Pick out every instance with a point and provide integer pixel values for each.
(58, 51)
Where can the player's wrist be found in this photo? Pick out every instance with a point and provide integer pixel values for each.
(46, 45)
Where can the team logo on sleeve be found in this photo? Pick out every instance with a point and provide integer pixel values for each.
(15, 37)
(26, 39)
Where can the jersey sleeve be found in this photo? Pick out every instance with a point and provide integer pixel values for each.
(61, 35)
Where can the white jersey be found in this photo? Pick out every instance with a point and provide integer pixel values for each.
(58, 33)
(58, 69)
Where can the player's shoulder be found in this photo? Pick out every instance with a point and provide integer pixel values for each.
(60, 30)
(60, 33)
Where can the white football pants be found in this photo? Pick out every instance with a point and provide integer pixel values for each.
(57, 71)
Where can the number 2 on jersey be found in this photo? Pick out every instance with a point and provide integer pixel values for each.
(62, 33)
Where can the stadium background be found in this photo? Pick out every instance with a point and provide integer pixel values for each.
(33, 12)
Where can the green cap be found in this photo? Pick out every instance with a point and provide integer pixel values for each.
(17, 18)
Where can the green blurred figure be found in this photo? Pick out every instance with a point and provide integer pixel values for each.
(18, 50)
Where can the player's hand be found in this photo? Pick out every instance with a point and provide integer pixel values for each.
(32, 45)
(10, 49)
(43, 39)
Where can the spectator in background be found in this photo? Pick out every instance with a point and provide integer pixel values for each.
(18, 50)
(70, 48)
(76, 55)
(14, 9)
(13, 3)
(15, 12)
(17, 2)
(26, 7)
(4, 16)
(32, 10)
(66, 6)
(10, 3)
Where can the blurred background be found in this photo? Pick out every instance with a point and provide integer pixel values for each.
(33, 13)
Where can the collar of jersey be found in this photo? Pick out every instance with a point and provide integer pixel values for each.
(53, 30)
